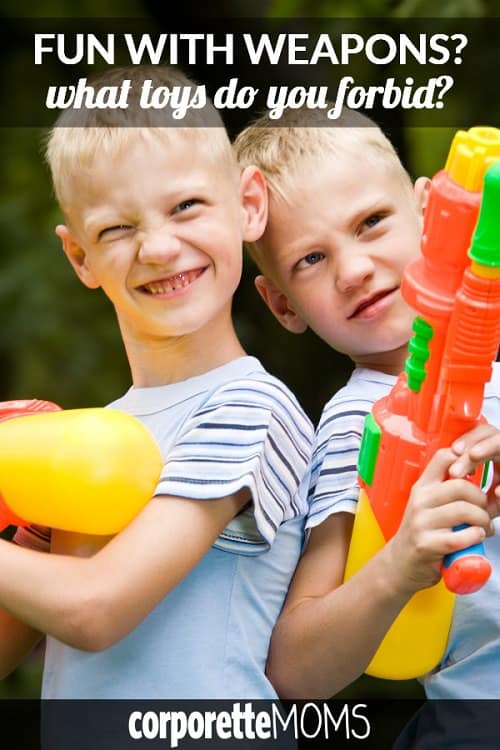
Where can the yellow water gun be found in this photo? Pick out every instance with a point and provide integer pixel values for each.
(84, 470)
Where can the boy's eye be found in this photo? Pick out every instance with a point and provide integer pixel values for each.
(373, 220)
(184, 205)
(113, 232)
(310, 260)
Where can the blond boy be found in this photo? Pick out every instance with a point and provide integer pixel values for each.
(344, 220)
(180, 604)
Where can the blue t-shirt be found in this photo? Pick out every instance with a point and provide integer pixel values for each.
(233, 427)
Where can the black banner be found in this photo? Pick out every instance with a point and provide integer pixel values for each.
(245, 724)
(434, 72)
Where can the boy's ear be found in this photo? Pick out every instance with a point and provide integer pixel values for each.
(421, 192)
(76, 256)
(277, 302)
(254, 202)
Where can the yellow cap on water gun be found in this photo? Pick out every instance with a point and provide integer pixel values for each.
(471, 153)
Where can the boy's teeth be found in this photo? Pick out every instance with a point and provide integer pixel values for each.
(176, 282)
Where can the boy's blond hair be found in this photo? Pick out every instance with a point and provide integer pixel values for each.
(79, 134)
(302, 138)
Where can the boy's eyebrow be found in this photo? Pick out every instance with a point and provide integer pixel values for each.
(378, 203)
(181, 191)
(96, 220)
(302, 247)
(308, 242)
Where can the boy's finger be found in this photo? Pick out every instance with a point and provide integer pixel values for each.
(452, 541)
(464, 466)
(493, 506)
(438, 467)
(461, 512)
(487, 450)
(473, 437)
(451, 491)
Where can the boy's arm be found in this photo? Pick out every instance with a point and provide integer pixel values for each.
(329, 631)
(17, 638)
(16, 641)
(90, 603)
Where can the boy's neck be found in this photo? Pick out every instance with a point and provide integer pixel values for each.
(171, 360)
(392, 363)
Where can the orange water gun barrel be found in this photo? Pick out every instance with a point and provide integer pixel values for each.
(431, 282)
(471, 347)
(410, 416)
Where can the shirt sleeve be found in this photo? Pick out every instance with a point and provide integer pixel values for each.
(334, 476)
(253, 434)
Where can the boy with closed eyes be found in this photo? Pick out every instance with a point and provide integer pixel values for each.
(182, 602)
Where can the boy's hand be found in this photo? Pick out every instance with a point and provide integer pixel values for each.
(477, 447)
(437, 504)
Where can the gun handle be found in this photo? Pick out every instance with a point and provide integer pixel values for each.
(466, 570)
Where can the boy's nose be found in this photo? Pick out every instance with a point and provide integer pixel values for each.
(352, 269)
(158, 245)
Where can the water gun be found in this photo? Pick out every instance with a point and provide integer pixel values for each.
(454, 288)
(83, 470)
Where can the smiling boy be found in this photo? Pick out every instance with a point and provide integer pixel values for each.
(182, 602)
(117, 238)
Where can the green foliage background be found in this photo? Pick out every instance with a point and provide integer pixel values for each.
(59, 341)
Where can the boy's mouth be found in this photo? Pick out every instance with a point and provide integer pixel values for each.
(369, 303)
(172, 283)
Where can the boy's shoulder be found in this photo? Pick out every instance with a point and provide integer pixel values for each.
(240, 380)
(357, 396)
(260, 402)
(365, 386)
(236, 398)
(261, 389)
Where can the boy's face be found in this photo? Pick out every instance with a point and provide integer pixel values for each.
(334, 254)
(160, 229)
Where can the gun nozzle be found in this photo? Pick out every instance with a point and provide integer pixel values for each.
(485, 248)
(471, 153)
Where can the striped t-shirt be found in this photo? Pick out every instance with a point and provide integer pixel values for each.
(232, 427)
(235, 426)
(334, 476)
